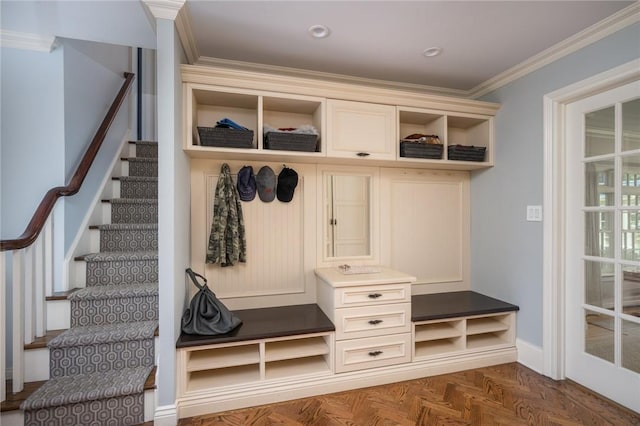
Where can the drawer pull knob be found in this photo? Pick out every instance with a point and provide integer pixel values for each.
(375, 322)
(374, 295)
(375, 353)
(363, 154)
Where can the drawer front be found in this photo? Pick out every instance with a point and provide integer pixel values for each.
(371, 321)
(373, 295)
(360, 354)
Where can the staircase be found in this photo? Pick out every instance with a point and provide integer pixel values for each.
(98, 367)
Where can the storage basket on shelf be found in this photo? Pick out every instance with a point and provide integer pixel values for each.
(466, 153)
(225, 137)
(289, 141)
(412, 149)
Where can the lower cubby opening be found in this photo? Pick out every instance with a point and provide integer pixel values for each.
(438, 347)
(477, 341)
(297, 367)
(207, 379)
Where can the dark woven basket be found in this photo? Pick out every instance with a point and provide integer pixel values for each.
(291, 141)
(420, 150)
(466, 153)
(225, 137)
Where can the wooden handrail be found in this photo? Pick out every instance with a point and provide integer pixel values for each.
(49, 200)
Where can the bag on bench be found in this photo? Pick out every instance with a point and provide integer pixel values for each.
(206, 315)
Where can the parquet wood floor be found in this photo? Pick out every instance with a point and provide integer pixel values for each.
(508, 395)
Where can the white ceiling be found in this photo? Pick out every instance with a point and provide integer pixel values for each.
(384, 40)
(379, 40)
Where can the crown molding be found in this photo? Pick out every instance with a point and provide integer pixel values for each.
(26, 41)
(625, 17)
(340, 78)
(164, 9)
(185, 33)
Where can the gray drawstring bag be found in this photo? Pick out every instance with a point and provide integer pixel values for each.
(206, 315)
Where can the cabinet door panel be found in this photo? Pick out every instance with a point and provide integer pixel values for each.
(357, 128)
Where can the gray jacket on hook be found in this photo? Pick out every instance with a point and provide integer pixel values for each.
(227, 241)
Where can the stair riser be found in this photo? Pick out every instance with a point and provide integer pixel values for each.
(146, 150)
(37, 361)
(143, 168)
(138, 189)
(111, 311)
(134, 213)
(128, 240)
(123, 410)
(101, 358)
(58, 314)
(122, 272)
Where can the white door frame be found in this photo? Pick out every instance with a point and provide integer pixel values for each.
(553, 292)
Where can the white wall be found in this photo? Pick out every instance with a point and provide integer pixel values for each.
(173, 206)
(93, 74)
(506, 250)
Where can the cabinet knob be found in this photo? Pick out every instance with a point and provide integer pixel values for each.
(375, 353)
(375, 322)
(363, 154)
(374, 295)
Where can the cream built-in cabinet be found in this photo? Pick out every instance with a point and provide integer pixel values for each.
(361, 130)
(354, 124)
(372, 316)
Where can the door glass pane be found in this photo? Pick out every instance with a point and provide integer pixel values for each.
(599, 284)
(599, 181)
(630, 180)
(631, 290)
(599, 132)
(631, 125)
(599, 237)
(630, 238)
(631, 346)
(599, 335)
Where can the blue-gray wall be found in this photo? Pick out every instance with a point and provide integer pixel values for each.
(506, 250)
(93, 74)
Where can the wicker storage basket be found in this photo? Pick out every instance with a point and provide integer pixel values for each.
(466, 153)
(291, 141)
(225, 137)
(420, 150)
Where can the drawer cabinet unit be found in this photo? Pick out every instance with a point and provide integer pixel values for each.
(372, 316)
(361, 130)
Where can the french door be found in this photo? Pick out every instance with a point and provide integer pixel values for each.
(603, 244)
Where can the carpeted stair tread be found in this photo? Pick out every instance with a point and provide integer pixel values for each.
(137, 178)
(99, 334)
(88, 387)
(128, 226)
(113, 256)
(141, 159)
(115, 291)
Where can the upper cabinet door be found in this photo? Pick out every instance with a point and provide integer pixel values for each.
(361, 130)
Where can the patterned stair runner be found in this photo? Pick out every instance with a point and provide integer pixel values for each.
(99, 366)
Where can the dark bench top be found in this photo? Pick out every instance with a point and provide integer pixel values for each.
(263, 323)
(456, 304)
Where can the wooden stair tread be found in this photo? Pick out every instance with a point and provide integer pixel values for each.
(41, 342)
(62, 295)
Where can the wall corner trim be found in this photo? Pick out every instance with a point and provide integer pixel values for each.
(164, 9)
(166, 415)
(27, 41)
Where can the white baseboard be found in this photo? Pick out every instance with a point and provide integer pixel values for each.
(530, 356)
(166, 415)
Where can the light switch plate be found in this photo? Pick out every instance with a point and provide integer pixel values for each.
(534, 213)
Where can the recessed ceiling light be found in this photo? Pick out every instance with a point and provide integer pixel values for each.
(432, 51)
(319, 31)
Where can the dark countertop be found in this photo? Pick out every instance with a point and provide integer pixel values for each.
(266, 323)
(455, 304)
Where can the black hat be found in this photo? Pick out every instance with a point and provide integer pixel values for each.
(287, 182)
(266, 182)
(246, 184)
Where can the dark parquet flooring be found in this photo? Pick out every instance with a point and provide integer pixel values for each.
(508, 394)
